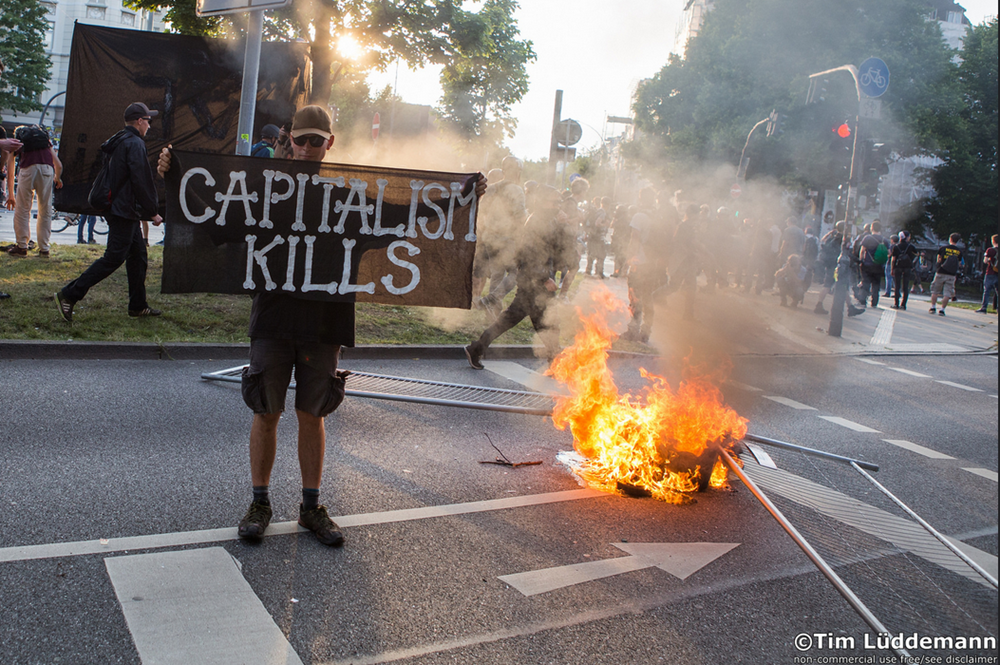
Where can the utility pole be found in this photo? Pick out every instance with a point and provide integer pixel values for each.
(553, 139)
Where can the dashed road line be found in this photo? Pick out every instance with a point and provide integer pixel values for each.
(744, 386)
(917, 448)
(959, 385)
(985, 473)
(869, 362)
(849, 424)
(910, 372)
(790, 402)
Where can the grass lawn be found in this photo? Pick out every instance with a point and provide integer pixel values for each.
(30, 313)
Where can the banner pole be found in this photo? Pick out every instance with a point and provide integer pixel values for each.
(251, 69)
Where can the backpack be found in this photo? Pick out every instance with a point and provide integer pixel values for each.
(904, 261)
(881, 254)
(33, 137)
(811, 250)
(262, 149)
(830, 249)
(100, 196)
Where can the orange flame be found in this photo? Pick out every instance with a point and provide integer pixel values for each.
(658, 440)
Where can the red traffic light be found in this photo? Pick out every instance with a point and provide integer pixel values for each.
(843, 131)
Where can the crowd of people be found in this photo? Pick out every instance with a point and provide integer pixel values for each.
(538, 238)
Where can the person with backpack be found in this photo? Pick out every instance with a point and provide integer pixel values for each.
(901, 260)
(950, 260)
(38, 171)
(126, 185)
(873, 255)
(268, 140)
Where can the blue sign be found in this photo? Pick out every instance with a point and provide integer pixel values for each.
(873, 77)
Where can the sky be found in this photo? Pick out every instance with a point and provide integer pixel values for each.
(596, 52)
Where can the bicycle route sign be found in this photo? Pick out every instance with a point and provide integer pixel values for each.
(873, 77)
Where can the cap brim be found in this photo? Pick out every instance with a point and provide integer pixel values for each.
(153, 114)
(296, 133)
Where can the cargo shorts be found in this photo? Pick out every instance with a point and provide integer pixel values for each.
(943, 284)
(318, 388)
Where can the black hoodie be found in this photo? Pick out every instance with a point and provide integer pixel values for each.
(132, 190)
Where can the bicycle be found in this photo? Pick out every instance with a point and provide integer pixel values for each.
(68, 219)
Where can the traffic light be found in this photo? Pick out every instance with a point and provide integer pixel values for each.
(841, 150)
(843, 130)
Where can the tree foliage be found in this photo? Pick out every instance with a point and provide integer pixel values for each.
(22, 49)
(752, 56)
(966, 184)
(484, 59)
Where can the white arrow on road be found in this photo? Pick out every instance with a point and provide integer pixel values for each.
(678, 559)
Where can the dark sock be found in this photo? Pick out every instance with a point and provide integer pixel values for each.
(310, 498)
(260, 494)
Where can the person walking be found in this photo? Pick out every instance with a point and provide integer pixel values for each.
(901, 258)
(133, 198)
(949, 261)
(38, 172)
(873, 255)
(268, 141)
(989, 276)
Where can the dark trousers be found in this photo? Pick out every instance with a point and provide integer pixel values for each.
(527, 303)
(125, 245)
(871, 283)
(901, 282)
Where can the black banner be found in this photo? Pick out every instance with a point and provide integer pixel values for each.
(318, 230)
(193, 82)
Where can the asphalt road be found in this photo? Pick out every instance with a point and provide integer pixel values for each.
(98, 451)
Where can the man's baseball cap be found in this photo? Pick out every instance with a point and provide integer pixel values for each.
(312, 120)
(138, 110)
(269, 132)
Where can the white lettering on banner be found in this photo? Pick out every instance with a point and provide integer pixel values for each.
(345, 282)
(182, 195)
(442, 222)
(414, 270)
(328, 184)
(270, 198)
(307, 284)
(227, 198)
(289, 284)
(411, 222)
(397, 230)
(358, 188)
(261, 258)
(470, 200)
(300, 201)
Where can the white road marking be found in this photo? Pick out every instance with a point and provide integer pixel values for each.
(984, 559)
(916, 448)
(933, 347)
(910, 372)
(679, 559)
(883, 332)
(870, 362)
(789, 402)
(760, 455)
(849, 424)
(195, 606)
(743, 386)
(179, 539)
(993, 396)
(985, 473)
(960, 386)
(526, 377)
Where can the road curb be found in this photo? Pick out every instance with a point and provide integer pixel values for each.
(48, 350)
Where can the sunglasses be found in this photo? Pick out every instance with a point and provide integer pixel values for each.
(314, 140)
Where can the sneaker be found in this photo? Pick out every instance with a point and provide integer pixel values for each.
(4, 296)
(820, 309)
(146, 311)
(319, 522)
(43, 253)
(17, 251)
(64, 306)
(854, 311)
(933, 310)
(981, 311)
(474, 352)
(941, 312)
(255, 521)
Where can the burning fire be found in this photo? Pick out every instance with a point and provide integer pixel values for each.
(661, 441)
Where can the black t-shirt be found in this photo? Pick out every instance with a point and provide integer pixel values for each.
(281, 316)
(903, 252)
(949, 260)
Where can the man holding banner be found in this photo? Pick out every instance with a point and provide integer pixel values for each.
(304, 322)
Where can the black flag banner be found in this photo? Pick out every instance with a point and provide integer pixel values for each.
(318, 230)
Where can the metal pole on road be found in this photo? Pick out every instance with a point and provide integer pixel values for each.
(248, 94)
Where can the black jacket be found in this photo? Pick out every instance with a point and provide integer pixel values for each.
(132, 189)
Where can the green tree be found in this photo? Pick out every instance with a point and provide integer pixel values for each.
(23, 25)
(488, 76)
(752, 56)
(966, 184)
(360, 35)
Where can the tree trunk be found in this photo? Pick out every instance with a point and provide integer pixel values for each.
(322, 58)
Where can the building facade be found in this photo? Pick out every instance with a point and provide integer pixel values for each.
(61, 16)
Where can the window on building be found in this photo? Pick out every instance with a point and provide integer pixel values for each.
(96, 12)
(128, 19)
(954, 17)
